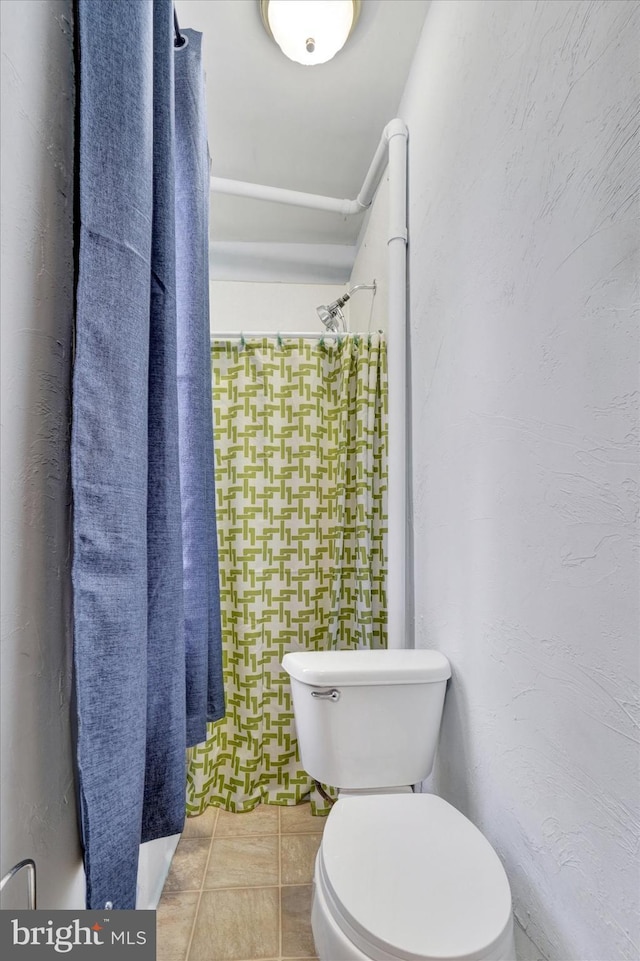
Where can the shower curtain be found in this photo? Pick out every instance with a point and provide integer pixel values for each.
(300, 431)
(147, 659)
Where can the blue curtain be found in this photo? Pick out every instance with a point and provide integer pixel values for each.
(146, 618)
(201, 581)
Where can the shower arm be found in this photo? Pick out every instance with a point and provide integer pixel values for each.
(341, 301)
(345, 297)
(328, 313)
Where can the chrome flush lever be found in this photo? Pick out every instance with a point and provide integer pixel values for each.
(331, 695)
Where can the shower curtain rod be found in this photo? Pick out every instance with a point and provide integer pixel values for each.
(281, 335)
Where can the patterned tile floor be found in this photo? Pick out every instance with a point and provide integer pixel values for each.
(239, 888)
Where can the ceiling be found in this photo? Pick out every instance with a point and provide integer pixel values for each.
(314, 129)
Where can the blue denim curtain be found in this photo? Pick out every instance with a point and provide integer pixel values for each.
(136, 676)
(201, 581)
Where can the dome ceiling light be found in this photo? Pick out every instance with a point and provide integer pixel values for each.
(310, 31)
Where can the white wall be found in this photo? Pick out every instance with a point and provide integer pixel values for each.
(523, 241)
(240, 306)
(38, 798)
(299, 264)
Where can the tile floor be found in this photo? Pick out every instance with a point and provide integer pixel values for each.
(239, 888)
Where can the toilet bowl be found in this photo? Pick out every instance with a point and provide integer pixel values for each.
(406, 877)
(399, 876)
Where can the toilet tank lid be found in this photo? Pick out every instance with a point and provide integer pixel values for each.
(323, 668)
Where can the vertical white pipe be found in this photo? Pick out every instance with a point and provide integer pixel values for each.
(398, 626)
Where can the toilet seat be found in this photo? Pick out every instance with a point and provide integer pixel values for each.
(426, 885)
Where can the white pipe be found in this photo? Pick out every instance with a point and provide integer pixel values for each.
(399, 631)
(297, 198)
(376, 168)
(278, 195)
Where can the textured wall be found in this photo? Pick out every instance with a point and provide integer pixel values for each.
(38, 798)
(523, 165)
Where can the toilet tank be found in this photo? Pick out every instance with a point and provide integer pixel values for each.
(367, 719)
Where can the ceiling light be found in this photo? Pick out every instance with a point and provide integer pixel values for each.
(310, 31)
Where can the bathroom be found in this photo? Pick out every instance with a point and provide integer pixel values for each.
(522, 401)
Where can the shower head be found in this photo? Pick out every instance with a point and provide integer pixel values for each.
(331, 314)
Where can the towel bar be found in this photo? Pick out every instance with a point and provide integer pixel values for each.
(31, 890)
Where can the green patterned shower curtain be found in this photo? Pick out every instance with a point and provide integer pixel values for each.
(300, 443)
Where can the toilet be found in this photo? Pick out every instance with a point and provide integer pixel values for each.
(399, 876)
